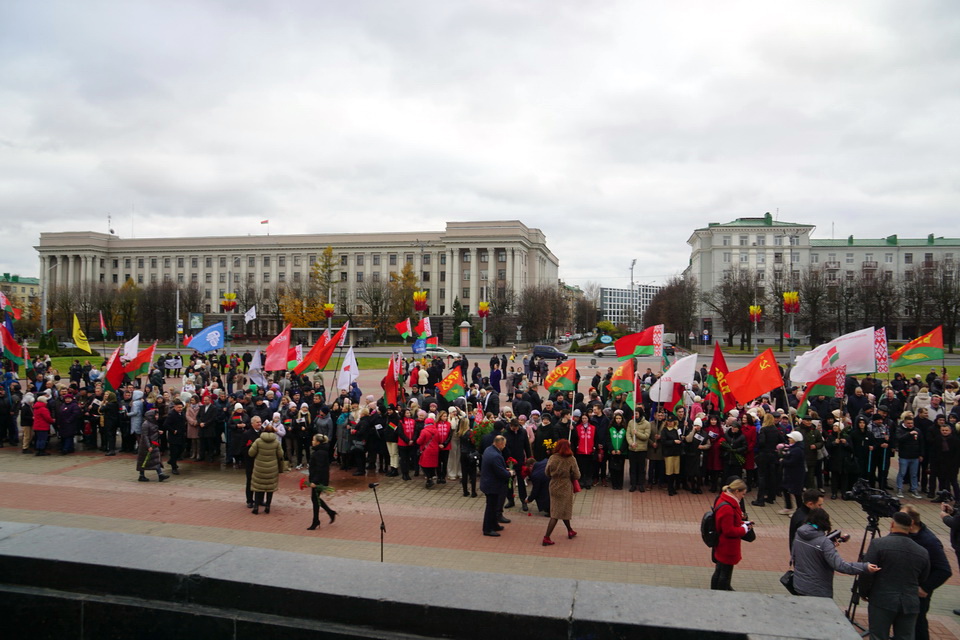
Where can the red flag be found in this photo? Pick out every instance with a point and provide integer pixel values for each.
(648, 342)
(716, 381)
(434, 340)
(114, 374)
(755, 379)
(320, 354)
(277, 351)
(422, 329)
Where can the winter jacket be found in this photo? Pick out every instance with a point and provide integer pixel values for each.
(638, 434)
(267, 457)
(909, 447)
(729, 523)
(815, 558)
(42, 420)
(429, 442)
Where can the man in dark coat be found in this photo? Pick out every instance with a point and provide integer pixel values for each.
(493, 483)
(893, 591)
(940, 570)
(518, 448)
(175, 425)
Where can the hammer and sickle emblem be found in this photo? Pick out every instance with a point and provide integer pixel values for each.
(764, 365)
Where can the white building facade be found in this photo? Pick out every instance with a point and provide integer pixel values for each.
(467, 261)
(616, 304)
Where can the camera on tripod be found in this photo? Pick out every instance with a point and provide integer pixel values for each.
(875, 502)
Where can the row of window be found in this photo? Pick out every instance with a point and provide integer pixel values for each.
(760, 240)
(849, 258)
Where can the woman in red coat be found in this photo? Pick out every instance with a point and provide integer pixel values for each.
(429, 442)
(713, 463)
(730, 530)
(41, 424)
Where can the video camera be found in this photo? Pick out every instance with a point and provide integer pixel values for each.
(875, 502)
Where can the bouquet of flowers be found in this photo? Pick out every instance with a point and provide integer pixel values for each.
(320, 488)
(511, 463)
(728, 450)
(480, 429)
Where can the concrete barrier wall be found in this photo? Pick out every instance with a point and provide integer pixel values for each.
(75, 583)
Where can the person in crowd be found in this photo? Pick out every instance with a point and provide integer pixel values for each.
(42, 421)
(267, 456)
(733, 449)
(638, 438)
(429, 442)
(939, 572)
(26, 422)
(695, 446)
(585, 445)
(769, 441)
(493, 483)
(69, 423)
(563, 471)
(319, 464)
(894, 593)
(811, 499)
(731, 529)
(793, 463)
(193, 427)
(110, 422)
(672, 444)
(841, 460)
(815, 558)
(175, 426)
(469, 457)
(148, 449)
(910, 444)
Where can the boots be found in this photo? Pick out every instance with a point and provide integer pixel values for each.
(316, 523)
(143, 478)
(671, 486)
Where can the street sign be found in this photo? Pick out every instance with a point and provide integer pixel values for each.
(119, 334)
(180, 326)
(606, 339)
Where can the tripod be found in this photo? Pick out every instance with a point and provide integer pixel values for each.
(873, 531)
(383, 527)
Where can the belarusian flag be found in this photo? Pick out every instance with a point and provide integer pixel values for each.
(563, 377)
(452, 387)
(11, 350)
(677, 399)
(716, 380)
(829, 384)
(140, 365)
(319, 355)
(294, 357)
(26, 358)
(423, 329)
(113, 377)
(404, 328)
(623, 381)
(648, 342)
(5, 303)
(926, 347)
(103, 326)
(434, 341)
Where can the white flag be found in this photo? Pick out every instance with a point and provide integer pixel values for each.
(251, 314)
(680, 372)
(131, 347)
(255, 374)
(855, 351)
(349, 371)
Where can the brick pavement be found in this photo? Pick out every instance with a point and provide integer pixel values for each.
(646, 538)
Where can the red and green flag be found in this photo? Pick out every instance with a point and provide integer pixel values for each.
(404, 328)
(423, 329)
(926, 347)
(5, 303)
(103, 326)
(140, 365)
(452, 387)
(26, 358)
(320, 354)
(294, 357)
(563, 377)
(12, 351)
(716, 381)
(831, 383)
(113, 377)
(648, 342)
(676, 400)
(624, 381)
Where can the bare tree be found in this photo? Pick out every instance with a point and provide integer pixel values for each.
(944, 290)
(731, 300)
(813, 301)
(674, 306)
(915, 293)
(376, 297)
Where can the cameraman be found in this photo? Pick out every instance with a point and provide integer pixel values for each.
(894, 592)
(812, 499)
(939, 566)
(952, 519)
(815, 558)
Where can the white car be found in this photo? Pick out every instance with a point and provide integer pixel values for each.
(436, 350)
(608, 350)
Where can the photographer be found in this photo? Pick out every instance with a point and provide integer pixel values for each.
(939, 567)
(815, 557)
(894, 592)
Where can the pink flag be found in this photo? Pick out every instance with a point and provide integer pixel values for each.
(277, 351)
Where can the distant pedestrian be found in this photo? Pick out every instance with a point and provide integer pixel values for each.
(563, 471)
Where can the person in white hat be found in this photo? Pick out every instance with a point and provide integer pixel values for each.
(794, 472)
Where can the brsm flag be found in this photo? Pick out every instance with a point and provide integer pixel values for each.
(208, 339)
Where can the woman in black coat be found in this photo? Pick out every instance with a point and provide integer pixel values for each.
(863, 446)
(842, 464)
(110, 420)
(69, 423)
(319, 462)
(794, 471)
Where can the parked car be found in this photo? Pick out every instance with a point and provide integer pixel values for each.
(548, 351)
(66, 345)
(608, 350)
(668, 349)
(442, 352)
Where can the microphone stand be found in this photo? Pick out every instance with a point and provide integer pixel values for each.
(383, 527)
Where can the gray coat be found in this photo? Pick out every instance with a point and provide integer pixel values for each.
(815, 559)
(904, 565)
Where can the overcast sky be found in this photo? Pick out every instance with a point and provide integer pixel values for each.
(616, 127)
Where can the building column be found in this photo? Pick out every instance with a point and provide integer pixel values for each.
(491, 272)
(68, 277)
(454, 279)
(86, 274)
(509, 281)
(474, 281)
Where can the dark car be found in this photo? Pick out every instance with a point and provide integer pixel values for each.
(548, 352)
(668, 349)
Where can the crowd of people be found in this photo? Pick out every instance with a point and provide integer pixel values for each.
(551, 443)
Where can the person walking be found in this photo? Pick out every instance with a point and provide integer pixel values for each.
(894, 593)
(148, 449)
(730, 531)
(493, 483)
(562, 469)
(815, 558)
(319, 464)
(267, 456)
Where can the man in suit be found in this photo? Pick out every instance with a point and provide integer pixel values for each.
(491, 401)
(893, 591)
(493, 483)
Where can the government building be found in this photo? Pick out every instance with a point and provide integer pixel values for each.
(467, 260)
(783, 250)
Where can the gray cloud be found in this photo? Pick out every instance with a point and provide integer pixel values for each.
(616, 127)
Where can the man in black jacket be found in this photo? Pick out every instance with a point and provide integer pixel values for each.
(893, 591)
(812, 499)
(493, 482)
(940, 570)
(175, 425)
(768, 470)
(518, 448)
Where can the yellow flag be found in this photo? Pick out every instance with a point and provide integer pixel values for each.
(78, 338)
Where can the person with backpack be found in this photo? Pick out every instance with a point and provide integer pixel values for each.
(730, 529)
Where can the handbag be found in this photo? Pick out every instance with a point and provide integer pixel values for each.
(576, 486)
(750, 536)
(787, 581)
